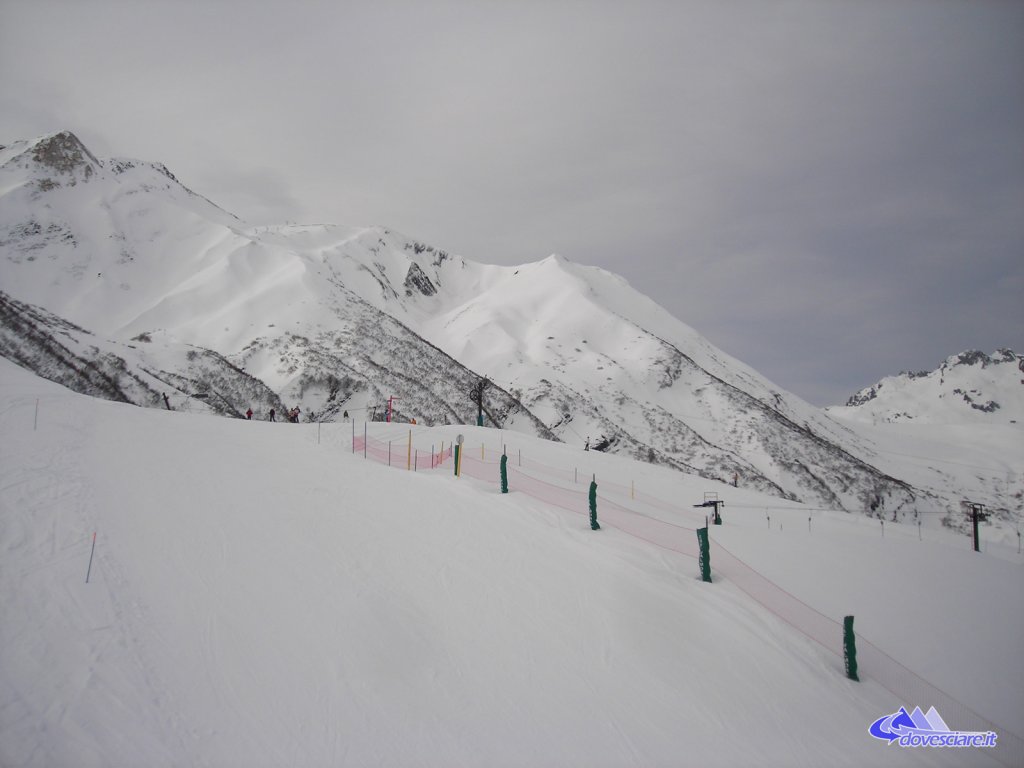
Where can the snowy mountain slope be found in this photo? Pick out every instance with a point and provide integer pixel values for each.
(98, 243)
(969, 388)
(197, 380)
(957, 431)
(259, 598)
(339, 319)
(121, 249)
(556, 332)
(959, 462)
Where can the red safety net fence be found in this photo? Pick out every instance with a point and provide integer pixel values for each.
(673, 527)
(908, 688)
(398, 454)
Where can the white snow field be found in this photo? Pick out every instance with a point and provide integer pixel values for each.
(261, 595)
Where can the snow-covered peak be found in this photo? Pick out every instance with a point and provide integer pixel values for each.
(971, 387)
(123, 165)
(62, 153)
(58, 153)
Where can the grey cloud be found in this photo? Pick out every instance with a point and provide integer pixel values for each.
(256, 194)
(831, 191)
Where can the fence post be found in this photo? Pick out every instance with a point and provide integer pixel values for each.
(594, 525)
(93, 552)
(504, 473)
(705, 554)
(409, 462)
(850, 648)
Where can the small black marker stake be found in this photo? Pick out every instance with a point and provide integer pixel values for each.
(88, 572)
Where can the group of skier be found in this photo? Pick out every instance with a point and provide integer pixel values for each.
(291, 415)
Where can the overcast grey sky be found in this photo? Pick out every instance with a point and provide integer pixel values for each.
(830, 191)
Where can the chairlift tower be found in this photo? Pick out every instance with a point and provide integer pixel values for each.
(476, 394)
(711, 500)
(977, 512)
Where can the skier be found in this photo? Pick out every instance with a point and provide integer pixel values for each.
(248, 414)
(272, 412)
(587, 446)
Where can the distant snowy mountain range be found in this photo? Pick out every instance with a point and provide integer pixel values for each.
(119, 281)
(971, 387)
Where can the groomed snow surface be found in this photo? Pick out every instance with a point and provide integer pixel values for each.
(261, 595)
